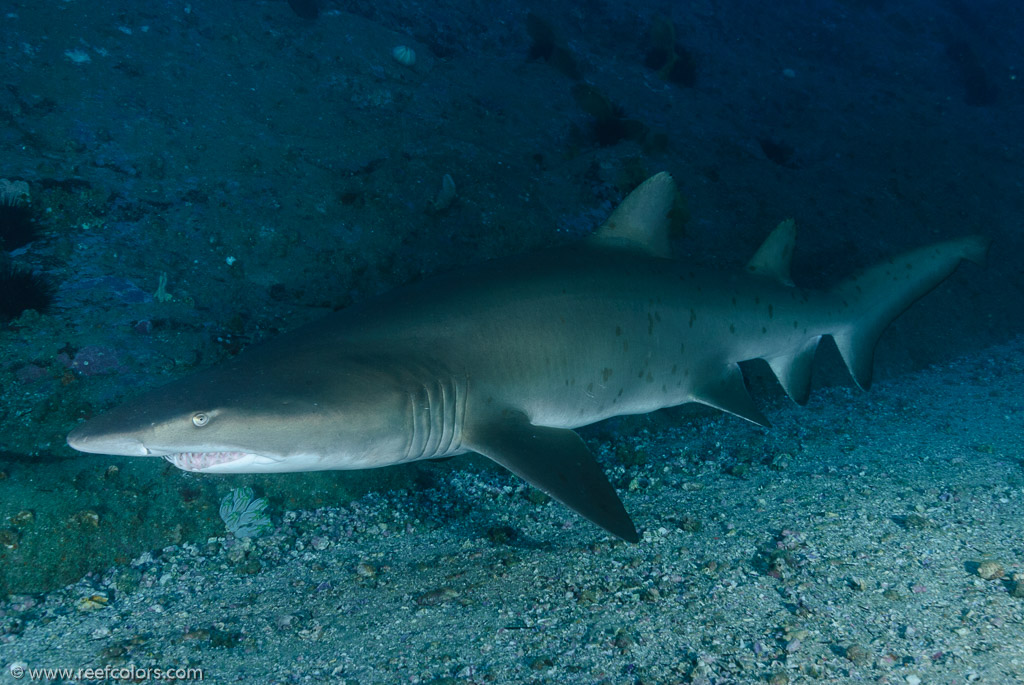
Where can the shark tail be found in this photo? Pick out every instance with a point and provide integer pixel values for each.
(872, 299)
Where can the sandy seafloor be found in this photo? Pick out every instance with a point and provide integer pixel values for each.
(269, 169)
(845, 544)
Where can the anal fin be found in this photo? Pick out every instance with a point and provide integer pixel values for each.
(556, 461)
(794, 371)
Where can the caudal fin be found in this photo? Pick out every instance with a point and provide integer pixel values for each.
(871, 299)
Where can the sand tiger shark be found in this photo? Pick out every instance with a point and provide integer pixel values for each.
(508, 357)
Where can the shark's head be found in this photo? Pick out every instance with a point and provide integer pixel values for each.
(260, 418)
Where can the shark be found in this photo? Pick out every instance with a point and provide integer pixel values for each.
(506, 358)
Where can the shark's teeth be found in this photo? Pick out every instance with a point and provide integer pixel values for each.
(197, 461)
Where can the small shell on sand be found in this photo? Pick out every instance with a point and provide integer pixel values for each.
(404, 55)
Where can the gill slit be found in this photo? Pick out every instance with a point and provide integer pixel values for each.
(437, 412)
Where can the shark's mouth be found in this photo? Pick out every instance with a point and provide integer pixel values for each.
(225, 462)
(198, 461)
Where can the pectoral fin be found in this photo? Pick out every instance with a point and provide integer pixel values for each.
(556, 461)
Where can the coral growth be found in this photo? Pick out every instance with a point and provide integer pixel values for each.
(673, 62)
(243, 515)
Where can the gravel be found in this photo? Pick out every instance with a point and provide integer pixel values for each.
(884, 547)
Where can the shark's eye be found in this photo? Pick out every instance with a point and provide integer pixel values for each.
(199, 420)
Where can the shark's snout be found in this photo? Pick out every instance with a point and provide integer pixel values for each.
(86, 439)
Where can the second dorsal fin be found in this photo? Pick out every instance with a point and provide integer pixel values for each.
(773, 258)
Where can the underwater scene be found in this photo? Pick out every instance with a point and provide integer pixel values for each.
(438, 342)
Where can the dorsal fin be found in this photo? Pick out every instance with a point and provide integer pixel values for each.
(641, 221)
(772, 259)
